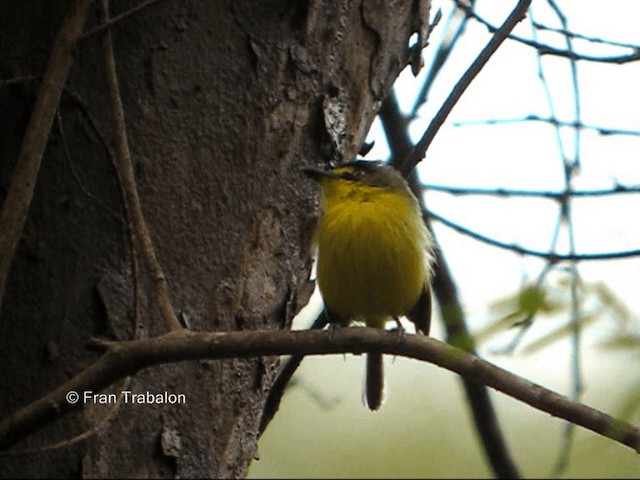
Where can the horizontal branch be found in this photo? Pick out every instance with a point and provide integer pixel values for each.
(587, 38)
(126, 358)
(604, 131)
(547, 255)
(514, 192)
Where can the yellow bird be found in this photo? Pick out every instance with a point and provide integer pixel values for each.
(374, 254)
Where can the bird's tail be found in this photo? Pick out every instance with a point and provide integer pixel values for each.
(374, 381)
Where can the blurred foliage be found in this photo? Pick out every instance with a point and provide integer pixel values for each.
(521, 309)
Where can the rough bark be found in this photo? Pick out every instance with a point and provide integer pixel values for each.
(224, 101)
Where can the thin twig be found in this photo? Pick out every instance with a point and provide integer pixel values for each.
(570, 169)
(23, 181)
(74, 173)
(552, 120)
(550, 256)
(127, 358)
(453, 30)
(557, 52)
(17, 81)
(127, 180)
(587, 38)
(105, 25)
(514, 192)
(487, 52)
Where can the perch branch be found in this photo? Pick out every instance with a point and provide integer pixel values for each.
(126, 358)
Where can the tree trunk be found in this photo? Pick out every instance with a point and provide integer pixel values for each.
(224, 102)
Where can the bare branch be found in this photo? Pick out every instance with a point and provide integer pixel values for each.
(109, 23)
(514, 192)
(549, 50)
(127, 358)
(455, 26)
(579, 36)
(550, 256)
(487, 52)
(23, 181)
(605, 131)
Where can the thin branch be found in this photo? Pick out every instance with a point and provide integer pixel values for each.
(108, 24)
(487, 52)
(566, 217)
(17, 81)
(74, 173)
(126, 358)
(587, 38)
(124, 169)
(23, 181)
(453, 30)
(605, 131)
(549, 50)
(550, 256)
(508, 192)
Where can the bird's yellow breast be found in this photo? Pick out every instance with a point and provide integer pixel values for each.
(372, 251)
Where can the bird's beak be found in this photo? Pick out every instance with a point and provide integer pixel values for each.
(316, 173)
